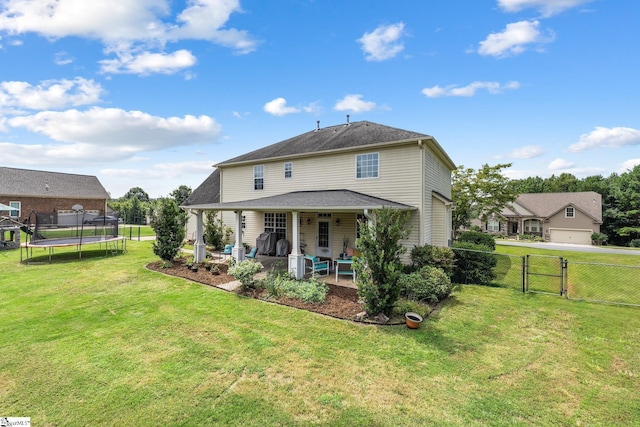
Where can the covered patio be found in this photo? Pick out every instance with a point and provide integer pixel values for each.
(323, 205)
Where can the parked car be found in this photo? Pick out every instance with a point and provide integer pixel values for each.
(99, 220)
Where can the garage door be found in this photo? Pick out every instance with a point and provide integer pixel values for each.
(563, 235)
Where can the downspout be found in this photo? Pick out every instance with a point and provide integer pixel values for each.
(421, 215)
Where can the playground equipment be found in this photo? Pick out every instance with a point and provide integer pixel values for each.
(42, 233)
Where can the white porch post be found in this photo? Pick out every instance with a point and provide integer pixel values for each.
(296, 259)
(199, 247)
(238, 248)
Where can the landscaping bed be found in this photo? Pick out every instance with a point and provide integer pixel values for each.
(341, 302)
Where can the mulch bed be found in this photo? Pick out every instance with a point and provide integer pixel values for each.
(341, 302)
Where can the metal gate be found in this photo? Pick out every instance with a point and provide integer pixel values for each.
(546, 275)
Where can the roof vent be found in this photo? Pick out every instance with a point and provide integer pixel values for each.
(348, 120)
(46, 185)
(317, 125)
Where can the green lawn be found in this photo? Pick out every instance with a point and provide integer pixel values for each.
(592, 276)
(103, 341)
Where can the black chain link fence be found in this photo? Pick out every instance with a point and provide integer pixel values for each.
(605, 283)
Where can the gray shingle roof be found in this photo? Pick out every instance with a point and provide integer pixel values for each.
(318, 201)
(544, 205)
(350, 135)
(207, 192)
(33, 183)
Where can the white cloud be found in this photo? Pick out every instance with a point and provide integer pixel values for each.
(354, 102)
(469, 90)
(128, 27)
(63, 58)
(607, 137)
(107, 134)
(546, 7)
(560, 164)
(527, 152)
(147, 63)
(513, 39)
(278, 107)
(158, 178)
(383, 42)
(628, 165)
(49, 94)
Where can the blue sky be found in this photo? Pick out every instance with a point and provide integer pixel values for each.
(152, 93)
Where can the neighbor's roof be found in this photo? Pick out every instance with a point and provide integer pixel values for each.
(33, 183)
(318, 201)
(207, 192)
(544, 205)
(340, 137)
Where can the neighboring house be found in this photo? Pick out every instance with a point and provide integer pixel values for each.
(52, 195)
(556, 217)
(311, 189)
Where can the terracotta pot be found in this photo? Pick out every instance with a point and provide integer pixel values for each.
(413, 320)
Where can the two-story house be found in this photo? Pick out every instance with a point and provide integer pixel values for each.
(311, 189)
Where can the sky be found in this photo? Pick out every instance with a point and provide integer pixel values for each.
(153, 93)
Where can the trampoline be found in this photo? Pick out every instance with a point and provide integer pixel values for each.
(51, 236)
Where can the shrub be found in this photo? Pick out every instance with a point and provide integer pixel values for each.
(216, 234)
(478, 238)
(474, 264)
(404, 305)
(433, 256)
(168, 223)
(635, 243)
(245, 271)
(310, 291)
(599, 238)
(379, 268)
(429, 284)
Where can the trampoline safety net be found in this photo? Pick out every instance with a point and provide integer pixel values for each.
(45, 229)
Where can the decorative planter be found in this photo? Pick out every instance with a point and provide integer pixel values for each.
(413, 320)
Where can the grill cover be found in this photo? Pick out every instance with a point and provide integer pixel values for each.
(266, 244)
(282, 247)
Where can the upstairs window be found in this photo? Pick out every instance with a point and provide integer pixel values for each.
(258, 177)
(367, 165)
(288, 170)
(569, 212)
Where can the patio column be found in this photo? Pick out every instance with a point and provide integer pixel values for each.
(238, 247)
(296, 259)
(199, 247)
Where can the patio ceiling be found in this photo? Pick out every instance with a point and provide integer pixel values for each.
(307, 201)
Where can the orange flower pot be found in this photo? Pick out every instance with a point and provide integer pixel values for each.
(413, 320)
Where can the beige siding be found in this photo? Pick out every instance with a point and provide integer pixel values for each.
(580, 221)
(437, 178)
(401, 179)
(438, 225)
(398, 181)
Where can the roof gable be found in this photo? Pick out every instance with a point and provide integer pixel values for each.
(350, 135)
(207, 192)
(33, 183)
(545, 205)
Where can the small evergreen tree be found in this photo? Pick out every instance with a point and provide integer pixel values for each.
(378, 269)
(216, 234)
(168, 222)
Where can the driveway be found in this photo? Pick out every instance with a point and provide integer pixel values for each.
(569, 247)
